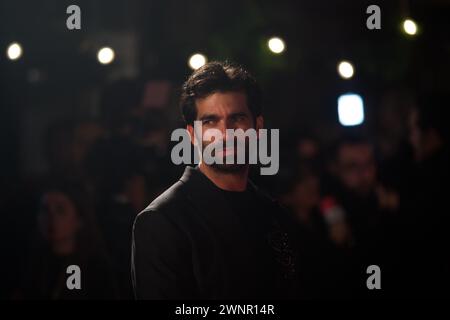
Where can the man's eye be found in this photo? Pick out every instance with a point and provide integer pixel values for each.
(208, 122)
(239, 118)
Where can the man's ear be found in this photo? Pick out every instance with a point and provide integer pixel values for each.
(259, 124)
(190, 129)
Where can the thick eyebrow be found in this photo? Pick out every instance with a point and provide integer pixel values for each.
(209, 116)
(212, 116)
(238, 114)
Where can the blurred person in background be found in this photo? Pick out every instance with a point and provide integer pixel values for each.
(67, 235)
(358, 208)
(299, 192)
(115, 167)
(303, 198)
(394, 152)
(128, 166)
(425, 215)
(67, 144)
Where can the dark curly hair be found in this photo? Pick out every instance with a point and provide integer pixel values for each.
(218, 77)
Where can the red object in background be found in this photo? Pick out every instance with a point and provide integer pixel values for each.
(327, 203)
(331, 210)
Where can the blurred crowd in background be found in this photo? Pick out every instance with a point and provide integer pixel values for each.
(86, 147)
(358, 199)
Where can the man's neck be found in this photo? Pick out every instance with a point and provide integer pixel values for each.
(229, 181)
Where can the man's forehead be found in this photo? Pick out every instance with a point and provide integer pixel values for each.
(222, 102)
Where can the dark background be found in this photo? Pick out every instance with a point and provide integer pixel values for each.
(57, 91)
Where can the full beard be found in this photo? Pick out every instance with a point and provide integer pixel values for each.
(229, 163)
(229, 168)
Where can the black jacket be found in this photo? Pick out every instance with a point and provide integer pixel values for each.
(190, 244)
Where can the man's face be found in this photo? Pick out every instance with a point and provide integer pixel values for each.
(222, 111)
(356, 168)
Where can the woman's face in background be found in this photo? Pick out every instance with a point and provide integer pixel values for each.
(58, 219)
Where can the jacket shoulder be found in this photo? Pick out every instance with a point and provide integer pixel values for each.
(167, 206)
(173, 197)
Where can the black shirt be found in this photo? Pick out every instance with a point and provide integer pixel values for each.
(196, 241)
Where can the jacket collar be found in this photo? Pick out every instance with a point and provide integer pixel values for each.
(212, 205)
(195, 176)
